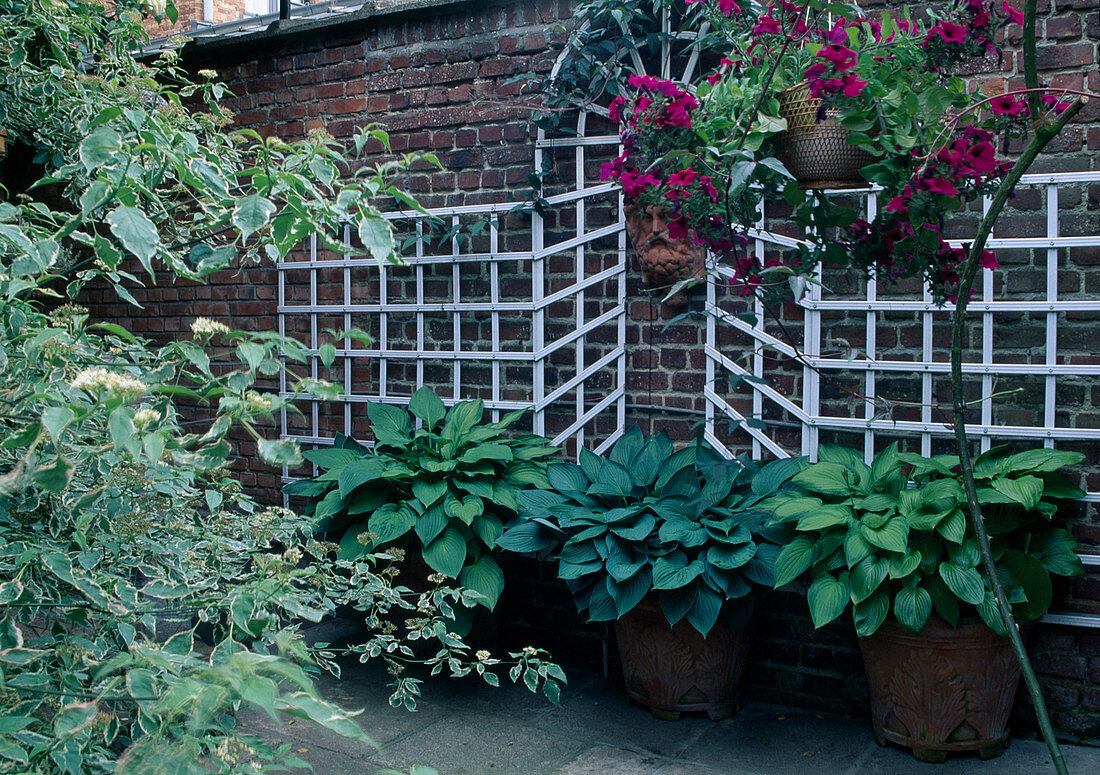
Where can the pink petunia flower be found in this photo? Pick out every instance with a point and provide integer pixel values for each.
(989, 260)
(1013, 15)
(1007, 105)
(940, 186)
(841, 57)
(948, 32)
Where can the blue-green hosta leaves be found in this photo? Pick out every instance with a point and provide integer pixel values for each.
(893, 536)
(705, 609)
(675, 571)
(794, 559)
(466, 510)
(390, 522)
(866, 577)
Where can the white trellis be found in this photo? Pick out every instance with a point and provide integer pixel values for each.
(805, 407)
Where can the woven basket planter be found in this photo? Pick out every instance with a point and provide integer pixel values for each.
(816, 152)
(664, 261)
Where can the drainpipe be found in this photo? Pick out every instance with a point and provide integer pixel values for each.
(284, 9)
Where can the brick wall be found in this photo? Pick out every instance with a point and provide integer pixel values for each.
(441, 79)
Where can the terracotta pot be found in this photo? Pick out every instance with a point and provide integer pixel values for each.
(675, 669)
(664, 261)
(942, 690)
(816, 152)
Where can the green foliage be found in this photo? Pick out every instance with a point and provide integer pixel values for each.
(122, 536)
(894, 535)
(445, 487)
(685, 524)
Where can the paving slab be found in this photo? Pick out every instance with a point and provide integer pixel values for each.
(467, 728)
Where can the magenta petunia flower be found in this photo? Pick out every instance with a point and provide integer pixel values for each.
(1007, 105)
(940, 186)
(989, 260)
(853, 86)
(728, 7)
(841, 57)
(1013, 15)
(948, 32)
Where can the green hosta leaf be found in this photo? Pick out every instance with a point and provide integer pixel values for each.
(886, 465)
(673, 571)
(871, 613)
(879, 502)
(136, 233)
(613, 480)
(1034, 580)
(646, 465)
(1057, 551)
(488, 528)
(360, 471)
(944, 601)
(965, 583)
(987, 609)
(429, 493)
(1055, 485)
(966, 554)
(601, 605)
(468, 509)
(390, 522)
(430, 524)
(461, 419)
(390, 424)
(1027, 490)
(1036, 460)
(912, 607)
(954, 527)
(485, 577)
(901, 566)
(827, 596)
(794, 559)
(331, 458)
(769, 478)
(856, 547)
(486, 452)
(627, 447)
(867, 575)
(528, 473)
(892, 536)
(447, 553)
(828, 479)
(825, 517)
(704, 611)
(427, 406)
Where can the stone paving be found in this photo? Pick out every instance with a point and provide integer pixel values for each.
(467, 728)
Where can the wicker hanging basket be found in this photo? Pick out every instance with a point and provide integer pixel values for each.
(664, 261)
(816, 152)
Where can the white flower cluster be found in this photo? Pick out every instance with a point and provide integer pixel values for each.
(208, 327)
(99, 380)
(208, 74)
(157, 7)
(257, 402)
(143, 417)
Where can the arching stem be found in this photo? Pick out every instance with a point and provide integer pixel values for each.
(1042, 136)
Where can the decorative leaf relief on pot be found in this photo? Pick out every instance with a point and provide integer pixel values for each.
(990, 694)
(929, 697)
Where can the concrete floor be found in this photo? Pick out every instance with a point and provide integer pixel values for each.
(468, 728)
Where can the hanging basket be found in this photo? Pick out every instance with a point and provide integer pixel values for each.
(664, 261)
(816, 152)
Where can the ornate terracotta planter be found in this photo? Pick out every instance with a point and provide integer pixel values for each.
(664, 261)
(942, 690)
(816, 152)
(675, 669)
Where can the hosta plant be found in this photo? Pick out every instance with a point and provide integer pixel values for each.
(892, 537)
(685, 524)
(444, 488)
